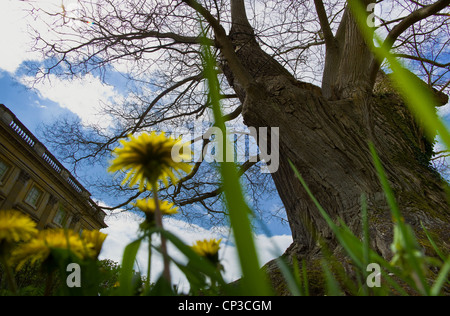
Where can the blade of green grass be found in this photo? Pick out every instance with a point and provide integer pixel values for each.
(196, 262)
(254, 281)
(292, 281)
(441, 279)
(351, 244)
(126, 272)
(387, 189)
(292, 278)
(404, 233)
(366, 238)
(297, 274)
(305, 278)
(197, 268)
(365, 227)
(345, 237)
(333, 288)
(433, 244)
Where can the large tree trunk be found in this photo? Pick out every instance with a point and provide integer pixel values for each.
(328, 143)
(326, 137)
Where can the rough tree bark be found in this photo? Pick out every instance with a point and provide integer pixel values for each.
(325, 133)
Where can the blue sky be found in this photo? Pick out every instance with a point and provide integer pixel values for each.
(27, 105)
(33, 110)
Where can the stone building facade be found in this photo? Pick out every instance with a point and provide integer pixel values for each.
(33, 181)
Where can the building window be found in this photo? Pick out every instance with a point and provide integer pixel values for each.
(4, 168)
(60, 216)
(34, 196)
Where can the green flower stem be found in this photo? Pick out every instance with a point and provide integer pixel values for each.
(158, 220)
(149, 266)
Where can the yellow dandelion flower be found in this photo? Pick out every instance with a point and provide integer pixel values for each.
(95, 239)
(148, 158)
(208, 249)
(39, 248)
(148, 206)
(16, 226)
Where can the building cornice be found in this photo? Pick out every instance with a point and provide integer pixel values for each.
(31, 147)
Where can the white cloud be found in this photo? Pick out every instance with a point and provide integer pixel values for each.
(19, 28)
(123, 229)
(82, 96)
(16, 23)
(444, 111)
(15, 39)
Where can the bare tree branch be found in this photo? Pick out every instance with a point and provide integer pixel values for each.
(323, 18)
(407, 22)
(161, 95)
(422, 59)
(225, 44)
